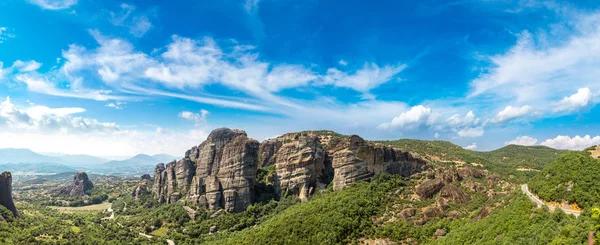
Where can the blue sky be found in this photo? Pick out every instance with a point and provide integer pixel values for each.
(120, 78)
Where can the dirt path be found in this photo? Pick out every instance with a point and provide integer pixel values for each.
(112, 216)
(539, 202)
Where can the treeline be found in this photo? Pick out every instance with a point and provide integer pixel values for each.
(573, 177)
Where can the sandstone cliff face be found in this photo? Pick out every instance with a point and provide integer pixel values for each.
(299, 166)
(354, 159)
(312, 161)
(80, 186)
(6, 193)
(219, 173)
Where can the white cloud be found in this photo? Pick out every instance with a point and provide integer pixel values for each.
(522, 140)
(468, 120)
(45, 119)
(187, 65)
(575, 143)
(343, 63)
(40, 85)
(543, 68)
(576, 102)
(471, 132)
(1, 70)
(54, 4)
(4, 34)
(510, 113)
(436, 135)
(118, 105)
(198, 118)
(46, 129)
(417, 117)
(138, 25)
(471, 146)
(26, 66)
(421, 117)
(363, 80)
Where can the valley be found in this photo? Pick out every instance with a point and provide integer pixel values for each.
(313, 187)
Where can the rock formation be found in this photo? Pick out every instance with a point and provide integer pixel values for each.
(140, 190)
(299, 166)
(6, 193)
(219, 173)
(455, 194)
(314, 160)
(145, 177)
(80, 187)
(429, 188)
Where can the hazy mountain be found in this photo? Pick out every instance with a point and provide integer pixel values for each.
(142, 160)
(9, 155)
(83, 159)
(164, 158)
(35, 168)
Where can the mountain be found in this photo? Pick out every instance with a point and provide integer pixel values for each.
(164, 158)
(10, 155)
(35, 168)
(82, 160)
(142, 160)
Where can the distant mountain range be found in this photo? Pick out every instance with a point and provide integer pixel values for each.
(142, 159)
(25, 160)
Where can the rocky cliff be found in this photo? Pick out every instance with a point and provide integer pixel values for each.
(80, 186)
(308, 160)
(6, 193)
(221, 172)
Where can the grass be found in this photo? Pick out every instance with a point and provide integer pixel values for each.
(160, 232)
(88, 209)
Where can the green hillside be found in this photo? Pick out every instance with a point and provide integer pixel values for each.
(572, 177)
(522, 162)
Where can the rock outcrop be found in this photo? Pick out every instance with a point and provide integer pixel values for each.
(145, 177)
(80, 186)
(312, 161)
(454, 194)
(6, 199)
(140, 190)
(429, 188)
(219, 173)
(354, 159)
(299, 166)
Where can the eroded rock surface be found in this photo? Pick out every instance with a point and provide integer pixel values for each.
(6, 199)
(219, 173)
(80, 187)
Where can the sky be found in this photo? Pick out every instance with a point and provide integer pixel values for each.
(114, 78)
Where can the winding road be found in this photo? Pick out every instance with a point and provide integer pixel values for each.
(539, 202)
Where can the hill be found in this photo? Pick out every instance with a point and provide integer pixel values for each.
(519, 161)
(523, 157)
(572, 177)
(593, 151)
(10, 155)
(142, 160)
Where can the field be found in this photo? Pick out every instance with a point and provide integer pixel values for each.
(87, 209)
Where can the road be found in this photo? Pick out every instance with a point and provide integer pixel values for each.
(539, 202)
(112, 216)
